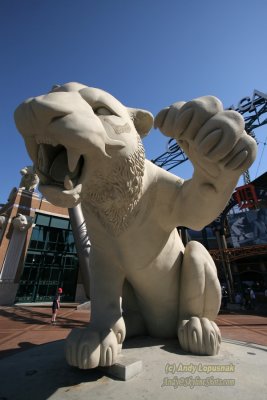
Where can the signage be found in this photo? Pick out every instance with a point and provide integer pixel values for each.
(247, 104)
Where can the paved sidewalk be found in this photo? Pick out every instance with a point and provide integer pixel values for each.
(33, 366)
(22, 327)
(243, 327)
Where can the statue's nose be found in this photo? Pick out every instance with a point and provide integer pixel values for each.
(36, 113)
(49, 107)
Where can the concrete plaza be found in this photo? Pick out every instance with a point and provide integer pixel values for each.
(32, 364)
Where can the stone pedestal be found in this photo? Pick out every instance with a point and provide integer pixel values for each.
(8, 291)
(21, 225)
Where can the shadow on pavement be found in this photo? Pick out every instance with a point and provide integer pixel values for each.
(22, 347)
(24, 315)
(40, 372)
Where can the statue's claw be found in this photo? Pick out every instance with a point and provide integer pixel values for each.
(199, 336)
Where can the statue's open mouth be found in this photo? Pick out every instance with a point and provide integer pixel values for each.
(56, 166)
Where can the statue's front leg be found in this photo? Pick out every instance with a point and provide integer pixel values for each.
(99, 343)
(200, 299)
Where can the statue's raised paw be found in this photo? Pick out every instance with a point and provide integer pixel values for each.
(213, 139)
(199, 336)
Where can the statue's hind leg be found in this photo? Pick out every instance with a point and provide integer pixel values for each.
(200, 299)
(135, 325)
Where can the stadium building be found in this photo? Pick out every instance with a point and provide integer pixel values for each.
(37, 251)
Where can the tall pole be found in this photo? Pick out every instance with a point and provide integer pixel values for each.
(82, 244)
(226, 269)
(228, 264)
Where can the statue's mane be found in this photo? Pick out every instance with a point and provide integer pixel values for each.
(113, 197)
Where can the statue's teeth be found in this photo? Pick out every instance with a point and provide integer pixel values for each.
(73, 158)
(68, 184)
(32, 148)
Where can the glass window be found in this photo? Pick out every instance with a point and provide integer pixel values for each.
(37, 259)
(70, 261)
(33, 275)
(51, 290)
(28, 290)
(42, 232)
(57, 260)
(42, 290)
(29, 258)
(60, 223)
(40, 245)
(51, 246)
(60, 247)
(53, 235)
(48, 259)
(35, 233)
(44, 274)
(33, 244)
(42, 219)
(25, 274)
(33, 257)
(55, 275)
(51, 261)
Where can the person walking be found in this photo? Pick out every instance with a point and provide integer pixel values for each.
(56, 305)
(252, 299)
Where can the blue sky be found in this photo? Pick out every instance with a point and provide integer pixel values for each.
(147, 53)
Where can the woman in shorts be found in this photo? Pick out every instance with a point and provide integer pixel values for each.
(56, 305)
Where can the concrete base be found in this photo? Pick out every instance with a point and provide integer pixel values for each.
(124, 369)
(238, 372)
(8, 291)
(80, 296)
(84, 306)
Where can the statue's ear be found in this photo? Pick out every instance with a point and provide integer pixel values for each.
(142, 119)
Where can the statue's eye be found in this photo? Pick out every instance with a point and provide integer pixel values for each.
(103, 111)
